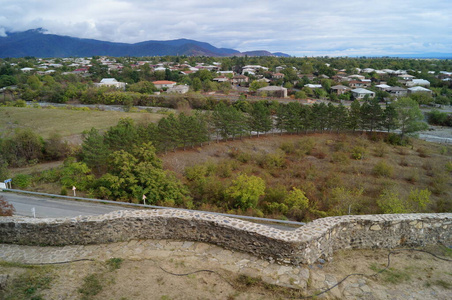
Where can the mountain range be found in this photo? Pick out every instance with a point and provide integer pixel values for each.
(37, 43)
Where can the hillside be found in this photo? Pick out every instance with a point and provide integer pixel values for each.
(38, 43)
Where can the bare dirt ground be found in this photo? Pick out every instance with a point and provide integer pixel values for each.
(186, 270)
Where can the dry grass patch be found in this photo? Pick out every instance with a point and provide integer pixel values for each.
(63, 121)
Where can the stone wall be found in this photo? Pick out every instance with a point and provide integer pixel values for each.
(318, 239)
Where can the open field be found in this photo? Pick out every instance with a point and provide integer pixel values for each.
(64, 121)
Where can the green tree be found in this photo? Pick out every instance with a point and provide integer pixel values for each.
(122, 136)
(94, 150)
(354, 116)
(371, 114)
(246, 191)
(196, 84)
(138, 173)
(409, 115)
(76, 174)
(255, 85)
(260, 118)
(143, 87)
(390, 120)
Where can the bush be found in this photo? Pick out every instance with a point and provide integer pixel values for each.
(358, 152)
(390, 203)
(423, 152)
(246, 190)
(449, 166)
(305, 145)
(272, 160)
(6, 209)
(288, 147)
(382, 169)
(413, 177)
(22, 181)
(380, 150)
(397, 140)
(419, 199)
(340, 157)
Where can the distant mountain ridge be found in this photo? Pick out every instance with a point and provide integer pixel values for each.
(37, 43)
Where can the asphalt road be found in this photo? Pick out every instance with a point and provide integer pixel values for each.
(56, 208)
(46, 207)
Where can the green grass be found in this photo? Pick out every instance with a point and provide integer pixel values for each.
(392, 275)
(64, 121)
(92, 285)
(29, 284)
(114, 263)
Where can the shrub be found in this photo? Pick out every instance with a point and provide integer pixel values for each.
(382, 169)
(272, 160)
(403, 162)
(63, 191)
(275, 194)
(358, 152)
(305, 145)
(439, 183)
(423, 152)
(380, 150)
(243, 157)
(297, 199)
(419, 199)
(340, 157)
(22, 181)
(390, 203)
(413, 177)
(246, 191)
(449, 166)
(319, 153)
(6, 209)
(224, 169)
(397, 140)
(288, 147)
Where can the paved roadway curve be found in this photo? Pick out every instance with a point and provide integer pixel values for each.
(46, 207)
(56, 208)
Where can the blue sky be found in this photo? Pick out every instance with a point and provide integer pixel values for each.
(296, 27)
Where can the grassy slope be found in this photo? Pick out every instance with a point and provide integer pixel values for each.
(416, 167)
(62, 121)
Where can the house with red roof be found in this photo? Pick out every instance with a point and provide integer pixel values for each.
(160, 84)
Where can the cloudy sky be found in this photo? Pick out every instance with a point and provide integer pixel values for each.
(296, 27)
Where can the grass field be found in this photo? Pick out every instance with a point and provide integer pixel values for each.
(64, 121)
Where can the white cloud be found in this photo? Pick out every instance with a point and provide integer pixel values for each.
(297, 27)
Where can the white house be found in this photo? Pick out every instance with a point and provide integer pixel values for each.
(418, 82)
(360, 93)
(160, 84)
(111, 82)
(397, 91)
(418, 89)
(313, 86)
(382, 87)
(406, 77)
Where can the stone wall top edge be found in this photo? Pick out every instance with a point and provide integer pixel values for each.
(317, 224)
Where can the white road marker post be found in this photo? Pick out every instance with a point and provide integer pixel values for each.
(144, 199)
(73, 188)
(33, 211)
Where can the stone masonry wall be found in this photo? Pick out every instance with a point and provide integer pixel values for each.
(318, 239)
